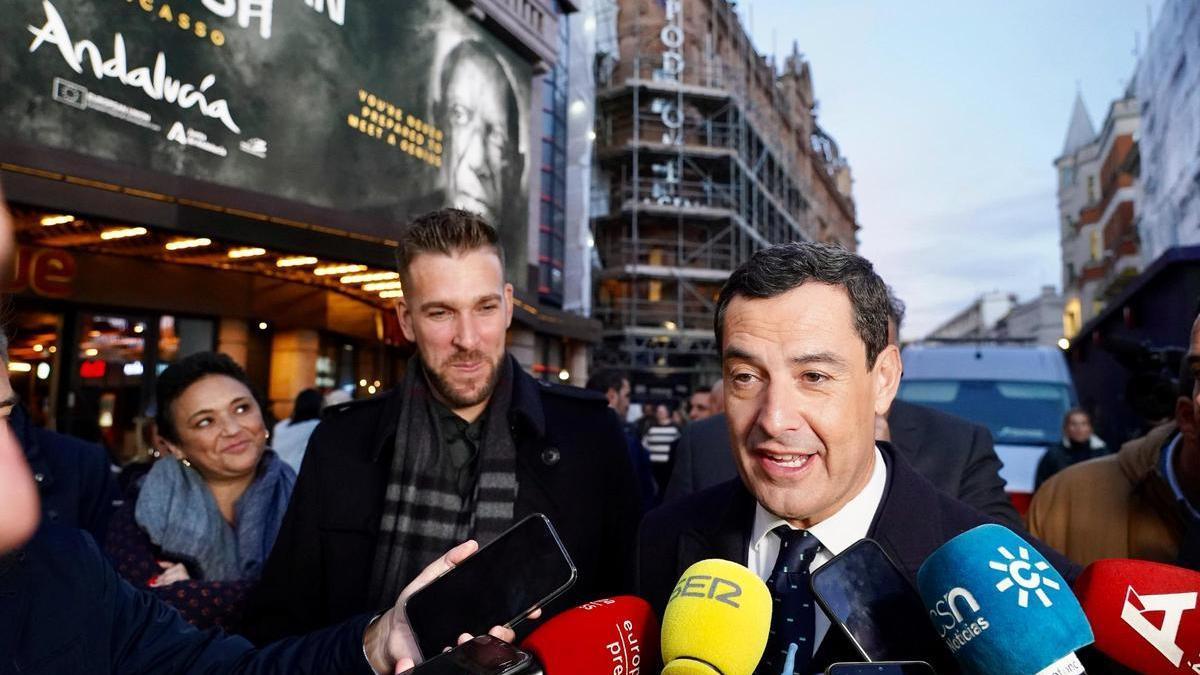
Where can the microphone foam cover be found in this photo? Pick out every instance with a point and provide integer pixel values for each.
(607, 636)
(999, 605)
(716, 621)
(1143, 613)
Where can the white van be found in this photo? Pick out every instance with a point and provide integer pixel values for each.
(1019, 392)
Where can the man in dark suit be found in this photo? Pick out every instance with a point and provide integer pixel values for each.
(802, 329)
(954, 454)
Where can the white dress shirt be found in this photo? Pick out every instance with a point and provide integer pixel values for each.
(836, 533)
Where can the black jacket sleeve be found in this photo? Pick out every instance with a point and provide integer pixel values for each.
(287, 600)
(149, 636)
(63, 608)
(623, 511)
(97, 490)
(682, 481)
(982, 487)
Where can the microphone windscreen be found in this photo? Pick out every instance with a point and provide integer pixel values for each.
(612, 635)
(1000, 606)
(716, 621)
(1143, 614)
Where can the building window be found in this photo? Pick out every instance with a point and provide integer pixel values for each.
(552, 214)
(1067, 176)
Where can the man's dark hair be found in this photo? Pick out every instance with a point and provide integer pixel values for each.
(445, 231)
(307, 406)
(184, 373)
(896, 308)
(702, 390)
(778, 269)
(603, 380)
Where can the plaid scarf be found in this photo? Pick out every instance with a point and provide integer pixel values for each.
(425, 511)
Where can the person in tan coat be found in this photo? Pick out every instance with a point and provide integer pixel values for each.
(1137, 503)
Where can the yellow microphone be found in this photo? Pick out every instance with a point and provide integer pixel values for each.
(716, 622)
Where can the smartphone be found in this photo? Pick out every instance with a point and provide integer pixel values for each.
(484, 655)
(881, 668)
(524, 568)
(872, 602)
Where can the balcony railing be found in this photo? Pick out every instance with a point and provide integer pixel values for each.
(668, 315)
(710, 254)
(663, 192)
(711, 75)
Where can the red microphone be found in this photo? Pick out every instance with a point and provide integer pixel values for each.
(612, 635)
(1144, 614)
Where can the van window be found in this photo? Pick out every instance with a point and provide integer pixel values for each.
(1015, 412)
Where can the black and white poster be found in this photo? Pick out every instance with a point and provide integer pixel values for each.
(375, 111)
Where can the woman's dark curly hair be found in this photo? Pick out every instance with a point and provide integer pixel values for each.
(184, 373)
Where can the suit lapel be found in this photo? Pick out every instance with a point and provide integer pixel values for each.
(727, 537)
(527, 422)
(908, 525)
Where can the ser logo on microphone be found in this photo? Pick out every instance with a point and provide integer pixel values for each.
(708, 586)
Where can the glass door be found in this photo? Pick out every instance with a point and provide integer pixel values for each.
(34, 339)
(108, 395)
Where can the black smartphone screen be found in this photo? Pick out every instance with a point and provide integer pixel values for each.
(885, 668)
(523, 568)
(484, 655)
(863, 592)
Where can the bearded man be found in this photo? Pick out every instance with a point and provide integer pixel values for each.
(466, 445)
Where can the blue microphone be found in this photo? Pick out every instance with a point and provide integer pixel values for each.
(1000, 607)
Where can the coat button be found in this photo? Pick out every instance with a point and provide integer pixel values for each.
(550, 456)
(52, 515)
(39, 477)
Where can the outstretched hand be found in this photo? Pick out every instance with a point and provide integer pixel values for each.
(390, 644)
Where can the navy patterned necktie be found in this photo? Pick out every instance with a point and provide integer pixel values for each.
(793, 618)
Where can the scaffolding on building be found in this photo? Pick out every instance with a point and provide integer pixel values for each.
(694, 172)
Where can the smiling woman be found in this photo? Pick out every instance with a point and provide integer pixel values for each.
(204, 518)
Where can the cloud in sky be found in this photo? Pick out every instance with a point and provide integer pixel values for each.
(951, 114)
(939, 265)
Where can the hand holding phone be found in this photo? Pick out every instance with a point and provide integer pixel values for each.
(523, 569)
(389, 643)
(484, 655)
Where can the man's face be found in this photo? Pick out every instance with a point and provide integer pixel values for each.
(480, 157)
(457, 310)
(1079, 427)
(801, 401)
(619, 400)
(700, 406)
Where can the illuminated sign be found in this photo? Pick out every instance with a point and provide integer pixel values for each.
(48, 272)
(352, 114)
(93, 369)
